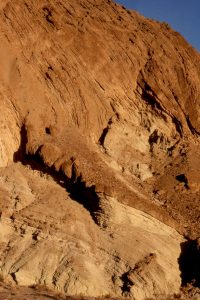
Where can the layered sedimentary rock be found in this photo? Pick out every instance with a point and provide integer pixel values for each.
(99, 137)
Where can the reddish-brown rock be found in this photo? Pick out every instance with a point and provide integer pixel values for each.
(99, 137)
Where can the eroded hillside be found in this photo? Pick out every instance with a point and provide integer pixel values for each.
(99, 139)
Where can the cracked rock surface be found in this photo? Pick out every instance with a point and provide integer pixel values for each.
(99, 160)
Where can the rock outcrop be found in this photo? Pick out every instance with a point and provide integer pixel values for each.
(99, 137)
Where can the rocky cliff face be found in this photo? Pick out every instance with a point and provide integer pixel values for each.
(99, 139)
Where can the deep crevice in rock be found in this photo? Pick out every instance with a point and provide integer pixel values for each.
(189, 263)
(192, 129)
(182, 178)
(178, 125)
(14, 277)
(19, 155)
(104, 133)
(127, 283)
(48, 130)
(48, 16)
(149, 97)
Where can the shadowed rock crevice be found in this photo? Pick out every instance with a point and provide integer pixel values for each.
(14, 277)
(191, 127)
(20, 154)
(77, 189)
(148, 95)
(178, 125)
(127, 283)
(48, 15)
(189, 263)
(104, 133)
(48, 130)
(182, 178)
(150, 98)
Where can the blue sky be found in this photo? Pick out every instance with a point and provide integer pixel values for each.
(182, 15)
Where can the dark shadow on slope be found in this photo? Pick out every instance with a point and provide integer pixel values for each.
(104, 133)
(178, 125)
(127, 283)
(191, 127)
(182, 178)
(87, 197)
(19, 155)
(78, 191)
(189, 263)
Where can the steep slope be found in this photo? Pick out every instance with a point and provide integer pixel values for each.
(99, 140)
(50, 239)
